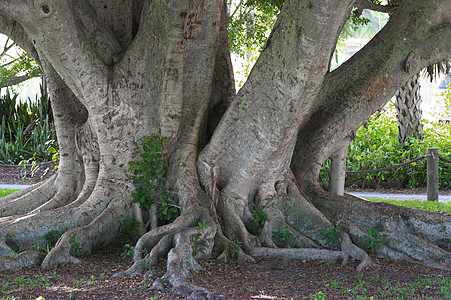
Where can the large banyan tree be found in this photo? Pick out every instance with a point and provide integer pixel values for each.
(120, 70)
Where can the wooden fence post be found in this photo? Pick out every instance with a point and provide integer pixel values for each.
(337, 174)
(432, 174)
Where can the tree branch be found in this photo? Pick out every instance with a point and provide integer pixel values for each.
(13, 81)
(370, 78)
(16, 32)
(365, 4)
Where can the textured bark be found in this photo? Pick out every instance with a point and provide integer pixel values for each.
(408, 109)
(116, 75)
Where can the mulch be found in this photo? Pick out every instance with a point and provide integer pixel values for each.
(264, 279)
(13, 174)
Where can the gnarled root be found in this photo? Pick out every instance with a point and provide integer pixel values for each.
(355, 252)
(416, 249)
(181, 243)
(102, 230)
(405, 234)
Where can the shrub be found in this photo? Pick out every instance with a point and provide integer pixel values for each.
(376, 146)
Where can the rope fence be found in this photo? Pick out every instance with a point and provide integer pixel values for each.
(389, 167)
(337, 177)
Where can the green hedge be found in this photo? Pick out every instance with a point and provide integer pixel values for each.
(376, 146)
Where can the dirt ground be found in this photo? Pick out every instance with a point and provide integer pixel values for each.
(265, 279)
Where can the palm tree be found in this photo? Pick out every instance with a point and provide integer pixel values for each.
(408, 103)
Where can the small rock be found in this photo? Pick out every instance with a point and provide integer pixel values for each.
(158, 286)
(182, 290)
(197, 295)
(212, 296)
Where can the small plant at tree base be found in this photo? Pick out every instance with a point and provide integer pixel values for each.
(258, 219)
(128, 252)
(234, 249)
(199, 243)
(146, 265)
(74, 240)
(9, 236)
(129, 228)
(148, 176)
(245, 105)
(53, 236)
(331, 234)
(148, 173)
(318, 296)
(373, 240)
(167, 211)
(281, 237)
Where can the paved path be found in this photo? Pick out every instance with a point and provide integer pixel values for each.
(13, 186)
(446, 198)
(441, 198)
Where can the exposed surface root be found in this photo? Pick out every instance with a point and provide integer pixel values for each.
(79, 241)
(26, 200)
(404, 234)
(59, 254)
(419, 250)
(180, 243)
(21, 260)
(302, 254)
(350, 248)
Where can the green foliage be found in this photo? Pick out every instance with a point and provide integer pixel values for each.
(258, 219)
(234, 249)
(318, 296)
(199, 242)
(128, 252)
(74, 240)
(376, 146)
(26, 129)
(281, 237)
(129, 228)
(331, 234)
(148, 173)
(16, 62)
(148, 177)
(10, 236)
(249, 25)
(373, 240)
(53, 236)
(167, 211)
(245, 104)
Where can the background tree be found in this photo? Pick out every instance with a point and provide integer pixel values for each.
(238, 166)
(408, 103)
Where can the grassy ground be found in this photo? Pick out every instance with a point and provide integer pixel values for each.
(4, 193)
(435, 206)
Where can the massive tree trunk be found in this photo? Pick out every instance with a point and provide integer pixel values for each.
(229, 156)
(408, 109)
